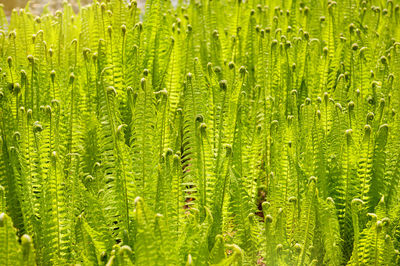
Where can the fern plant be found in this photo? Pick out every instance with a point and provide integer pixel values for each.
(201, 133)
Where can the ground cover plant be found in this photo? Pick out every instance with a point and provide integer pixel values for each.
(214, 132)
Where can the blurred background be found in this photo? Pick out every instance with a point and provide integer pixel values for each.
(36, 6)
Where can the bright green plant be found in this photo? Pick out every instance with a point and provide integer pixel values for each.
(219, 132)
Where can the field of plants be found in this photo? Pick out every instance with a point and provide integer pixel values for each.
(211, 132)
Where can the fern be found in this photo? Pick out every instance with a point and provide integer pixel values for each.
(200, 133)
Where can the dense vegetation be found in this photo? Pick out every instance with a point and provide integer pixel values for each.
(212, 133)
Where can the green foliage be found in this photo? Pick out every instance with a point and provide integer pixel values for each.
(222, 132)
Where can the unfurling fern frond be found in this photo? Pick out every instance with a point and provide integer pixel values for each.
(305, 233)
(11, 251)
